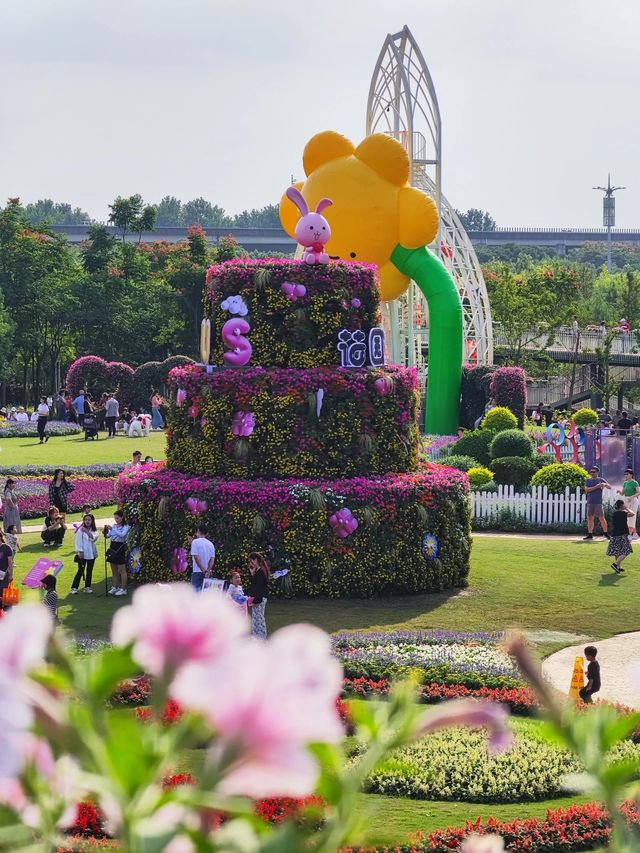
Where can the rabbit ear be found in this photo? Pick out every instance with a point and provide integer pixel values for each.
(324, 202)
(298, 199)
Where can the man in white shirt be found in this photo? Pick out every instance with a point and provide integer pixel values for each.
(21, 416)
(203, 555)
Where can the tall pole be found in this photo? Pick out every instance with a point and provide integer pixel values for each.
(609, 213)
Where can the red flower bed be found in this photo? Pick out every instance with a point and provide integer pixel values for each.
(172, 713)
(520, 700)
(562, 831)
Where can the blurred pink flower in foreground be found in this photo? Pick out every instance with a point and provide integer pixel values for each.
(469, 712)
(267, 702)
(171, 626)
(482, 844)
(23, 637)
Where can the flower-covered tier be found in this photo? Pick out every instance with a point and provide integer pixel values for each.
(280, 422)
(297, 441)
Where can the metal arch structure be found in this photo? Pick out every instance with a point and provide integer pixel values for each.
(403, 103)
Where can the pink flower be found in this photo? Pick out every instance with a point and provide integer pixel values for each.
(469, 712)
(173, 625)
(243, 423)
(267, 703)
(23, 638)
(181, 396)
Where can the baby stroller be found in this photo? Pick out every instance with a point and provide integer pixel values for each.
(90, 427)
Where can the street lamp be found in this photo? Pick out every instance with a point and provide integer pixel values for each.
(609, 213)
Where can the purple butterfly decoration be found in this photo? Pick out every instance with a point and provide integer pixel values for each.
(293, 291)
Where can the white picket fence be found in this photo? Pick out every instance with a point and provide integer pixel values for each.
(538, 506)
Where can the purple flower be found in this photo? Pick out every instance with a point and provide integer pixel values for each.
(243, 424)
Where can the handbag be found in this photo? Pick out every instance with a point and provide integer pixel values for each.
(10, 595)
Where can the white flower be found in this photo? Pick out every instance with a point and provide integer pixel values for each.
(482, 844)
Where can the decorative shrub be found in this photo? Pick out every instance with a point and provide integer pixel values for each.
(479, 477)
(292, 519)
(462, 463)
(560, 476)
(511, 442)
(499, 418)
(542, 460)
(99, 469)
(509, 388)
(33, 495)
(476, 444)
(298, 333)
(476, 380)
(97, 375)
(154, 376)
(453, 764)
(513, 471)
(585, 417)
(357, 431)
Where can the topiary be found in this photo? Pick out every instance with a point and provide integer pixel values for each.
(585, 417)
(509, 388)
(499, 418)
(511, 442)
(475, 444)
(479, 476)
(558, 476)
(462, 463)
(513, 471)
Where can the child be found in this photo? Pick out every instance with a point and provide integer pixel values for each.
(12, 539)
(51, 596)
(619, 545)
(235, 585)
(593, 673)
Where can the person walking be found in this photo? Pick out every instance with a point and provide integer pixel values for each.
(6, 566)
(112, 413)
(43, 416)
(619, 544)
(203, 554)
(117, 554)
(86, 553)
(593, 675)
(593, 486)
(54, 528)
(156, 416)
(59, 489)
(257, 591)
(61, 409)
(11, 508)
(630, 491)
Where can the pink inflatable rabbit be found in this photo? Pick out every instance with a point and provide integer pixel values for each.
(312, 230)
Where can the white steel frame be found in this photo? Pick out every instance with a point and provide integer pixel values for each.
(403, 103)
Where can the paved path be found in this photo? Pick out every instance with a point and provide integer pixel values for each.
(37, 528)
(619, 659)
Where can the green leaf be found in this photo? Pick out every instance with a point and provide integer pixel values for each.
(105, 671)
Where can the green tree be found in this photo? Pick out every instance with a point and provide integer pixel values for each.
(132, 215)
(169, 211)
(98, 250)
(477, 220)
(263, 217)
(201, 212)
(54, 213)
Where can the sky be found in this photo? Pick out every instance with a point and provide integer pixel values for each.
(217, 98)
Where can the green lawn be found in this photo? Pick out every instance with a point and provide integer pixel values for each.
(74, 450)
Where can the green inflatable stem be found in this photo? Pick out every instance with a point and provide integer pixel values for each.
(445, 335)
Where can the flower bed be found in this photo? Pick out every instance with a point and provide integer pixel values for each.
(99, 469)
(520, 700)
(33, 495)
(295, 521)
(299, 332)
(454, 764)
(576, 828)
(11, 429)
(442, 657)
(322, 422)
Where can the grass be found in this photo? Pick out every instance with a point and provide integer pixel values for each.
(74, 450)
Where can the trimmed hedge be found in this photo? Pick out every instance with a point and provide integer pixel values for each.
(476, 444)
(290, 520)
(509, 388)
(13, 429)
(479, 476)
(154, 376)
(462, 463)
(476, 380)
(299, 333)
(585, 417)
(349, 430)
(513, 471)
(511, 442)
(499, 418)
(560, 475)
(97, 375)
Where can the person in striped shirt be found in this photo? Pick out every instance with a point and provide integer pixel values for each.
(51, 596)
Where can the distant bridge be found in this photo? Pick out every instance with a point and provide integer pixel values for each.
(276, 240)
